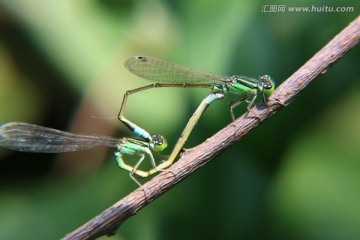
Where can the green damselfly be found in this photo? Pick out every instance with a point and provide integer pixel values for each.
(166, 74)
(33, 138)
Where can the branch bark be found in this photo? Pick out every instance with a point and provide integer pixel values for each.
(107, 222)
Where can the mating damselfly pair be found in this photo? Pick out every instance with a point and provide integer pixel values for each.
(32, 138)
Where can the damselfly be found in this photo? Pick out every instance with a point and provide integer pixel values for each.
(33, 138)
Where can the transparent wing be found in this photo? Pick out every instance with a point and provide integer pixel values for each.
(160, 71)
(33, 138)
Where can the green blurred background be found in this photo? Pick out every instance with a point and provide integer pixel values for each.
(61, 65)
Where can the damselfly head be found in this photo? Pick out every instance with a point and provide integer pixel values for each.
(268, 84)
(159, 142)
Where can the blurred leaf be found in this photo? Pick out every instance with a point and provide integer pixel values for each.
(19, 99)
(316, 192)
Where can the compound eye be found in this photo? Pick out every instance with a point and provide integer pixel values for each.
(268, 84)
(159, 142)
